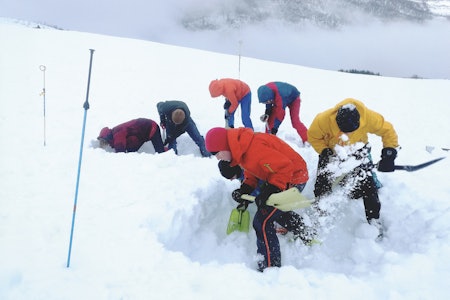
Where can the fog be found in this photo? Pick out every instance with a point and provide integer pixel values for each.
(398, 49)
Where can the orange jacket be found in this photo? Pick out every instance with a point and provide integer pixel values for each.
(266, 157)
(325, 133)
(232, 89)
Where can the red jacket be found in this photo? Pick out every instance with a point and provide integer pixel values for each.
(131, 135)
(266, 157)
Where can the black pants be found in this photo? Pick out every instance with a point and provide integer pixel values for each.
(362, 185)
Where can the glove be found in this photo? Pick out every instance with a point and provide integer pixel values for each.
(264, 117)
(237, 193)
(266, 190)
(386, 163)
(227, 104)
(243, 205)
(362, 153)
(274, 131)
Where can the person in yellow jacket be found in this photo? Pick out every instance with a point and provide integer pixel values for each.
(340, 136)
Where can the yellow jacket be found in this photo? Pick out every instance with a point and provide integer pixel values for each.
(325, 133)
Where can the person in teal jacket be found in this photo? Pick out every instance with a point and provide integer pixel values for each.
(277, 96)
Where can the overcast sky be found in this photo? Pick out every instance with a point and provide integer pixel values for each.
(396, 49)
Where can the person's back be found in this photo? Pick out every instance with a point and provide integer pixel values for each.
(131, 135)
(277, 96)
(176, 119)
(236, 92)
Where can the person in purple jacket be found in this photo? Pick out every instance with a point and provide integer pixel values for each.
(131, 135)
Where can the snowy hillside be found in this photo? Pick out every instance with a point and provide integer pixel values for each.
(152, 226)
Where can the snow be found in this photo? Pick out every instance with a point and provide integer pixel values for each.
(152, 226)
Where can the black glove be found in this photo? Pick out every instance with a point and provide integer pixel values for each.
(243, 205)
(362, 153)
(237, 193)
(274, 131)
(386, 163)
(227, 104)
(264, 118)
(266, 190)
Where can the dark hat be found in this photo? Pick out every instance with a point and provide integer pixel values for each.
(347, 118)
(228, 171)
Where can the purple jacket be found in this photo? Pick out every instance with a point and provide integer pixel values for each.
(129, 136)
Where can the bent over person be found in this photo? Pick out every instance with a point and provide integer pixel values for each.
(267, 158)
(277, 96)
(346, 127)
(131, 135)
(235, 92)
(176, 120)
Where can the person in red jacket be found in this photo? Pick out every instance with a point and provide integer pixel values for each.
(277, 96)
(262, 157)
(235, 92)
(131, 135)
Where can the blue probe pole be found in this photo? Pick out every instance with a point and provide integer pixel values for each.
(86, 107)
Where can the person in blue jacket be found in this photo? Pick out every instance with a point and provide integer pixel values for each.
(277, 96)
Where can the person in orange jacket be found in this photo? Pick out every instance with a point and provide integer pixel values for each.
(262, 157)
(235, 92)
(345, 128)
(277, 96)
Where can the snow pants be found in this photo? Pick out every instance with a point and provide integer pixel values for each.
(267, 241)
(245, 104)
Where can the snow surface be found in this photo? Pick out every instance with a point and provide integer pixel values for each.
(152, 226)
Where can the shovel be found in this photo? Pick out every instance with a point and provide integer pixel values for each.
(239, 221)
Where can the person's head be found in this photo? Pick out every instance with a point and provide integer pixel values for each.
(347, 118)
(178, 116)
(216, 88)
(265, 94)
(105, 137)
(228, 171)
(216, 142)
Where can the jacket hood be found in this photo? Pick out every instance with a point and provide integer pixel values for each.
(265, 94)
(216, 88)
(105, 134)
(239, 141)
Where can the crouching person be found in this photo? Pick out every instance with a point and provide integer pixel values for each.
(346, 125)
(131, 135)
(263, 157)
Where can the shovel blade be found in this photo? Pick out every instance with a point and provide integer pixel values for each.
(239, 221)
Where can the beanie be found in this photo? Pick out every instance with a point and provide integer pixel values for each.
(105, 134)
(216, 140)
(178, 116)
(228, 171)
(347, 118)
